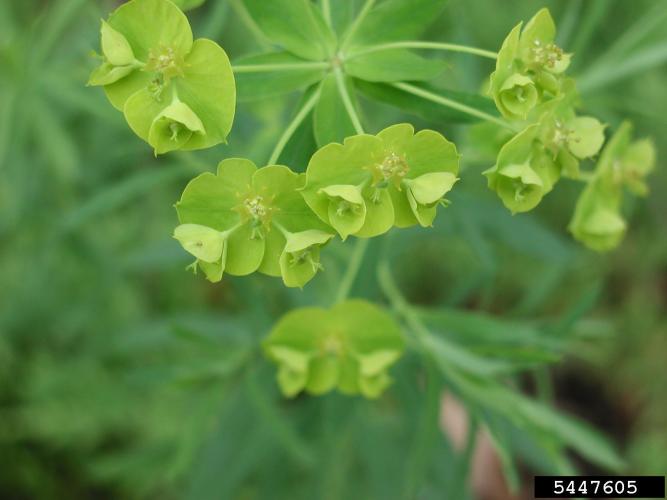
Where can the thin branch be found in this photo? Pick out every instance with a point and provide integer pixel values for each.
(352, 270)
(413, 44)
(347, 102)
(326, 12)
(260, 68)
(294, 124)
(349, 34)
(450, 103)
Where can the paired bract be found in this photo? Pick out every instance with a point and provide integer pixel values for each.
(348, 347)
(597, 221)
(369, 184)
(175, 92)
(529, 86)
(529, 67)
(244, 219)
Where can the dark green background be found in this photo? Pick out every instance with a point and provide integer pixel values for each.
(122, 376)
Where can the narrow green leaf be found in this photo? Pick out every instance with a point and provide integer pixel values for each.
(296, 25)
(397, 20)
(393, 66)
(417, 106)
(330, 122)
(262, 84)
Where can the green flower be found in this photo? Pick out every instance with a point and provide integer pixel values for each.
(529, 64)
(369, 183)
(597, 221)
(517, 96)
(246, 219)
(627, 162)
(537, 50)
(349, 347)
(570, 138)
(523, 173)
(176, 93)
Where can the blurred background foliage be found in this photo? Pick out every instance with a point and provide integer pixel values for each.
(123, 376)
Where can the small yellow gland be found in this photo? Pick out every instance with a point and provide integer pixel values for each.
(166, 61)
(256, 209)
(332, 345)
(392, 169)
(546, 55)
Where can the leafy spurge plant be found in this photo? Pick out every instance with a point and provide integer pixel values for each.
(175, 92)
(180, 94)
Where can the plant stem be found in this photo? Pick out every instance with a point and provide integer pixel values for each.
(326, 12)
(449, 103)
(352, 270)
(347, 102)
(259, 68)
(413, 44)
(294, 124)
(347, 38)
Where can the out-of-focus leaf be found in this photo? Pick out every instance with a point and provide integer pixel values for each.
(259, 85)
(393, 66)
(188, 4)
(414, 105)
(396, 20)
(330, 121)
(296, 25)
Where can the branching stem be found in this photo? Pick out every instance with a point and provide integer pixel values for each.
(260, 68)
(349, 35)
(347, 102)
(294, 124)
(450, 103)
(415, 44)
(352, 270)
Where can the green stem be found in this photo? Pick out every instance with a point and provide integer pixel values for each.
(260, 68)
(410, 44)
(294, 124)
(326, 11)
(352, 270)
(347, 102)
(347, 38)
(449, 103)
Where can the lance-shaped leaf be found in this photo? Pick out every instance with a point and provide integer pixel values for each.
(364, 186)
(349, 347)
(295, 25)
(166, 68)
(393, 66)
(264, 84)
